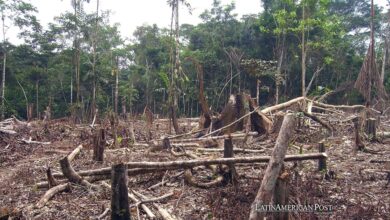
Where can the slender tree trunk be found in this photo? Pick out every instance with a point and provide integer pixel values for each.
(303, 64)
(4, 64)
(37, 97)
(71, 89)
(173, 95)
(384, 61)
(116, 91)
(258, 91)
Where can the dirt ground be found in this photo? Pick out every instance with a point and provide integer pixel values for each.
(356, 185)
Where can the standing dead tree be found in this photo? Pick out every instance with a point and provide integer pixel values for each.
(368, 76)
(205, 118)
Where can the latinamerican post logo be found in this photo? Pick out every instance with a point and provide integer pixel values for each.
(294, 208)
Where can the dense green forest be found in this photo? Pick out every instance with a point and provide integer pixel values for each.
(80, 61)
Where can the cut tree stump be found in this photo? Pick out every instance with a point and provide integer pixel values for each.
(99, 141)
(281, 195)
(231, 175)
(371, 128)
(359, 146)
(274, 167)
(321, 162)
(119, 193)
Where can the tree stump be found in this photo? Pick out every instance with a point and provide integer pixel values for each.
(228, 152)
(371, 128)
(359, 146)
(281, 194)
(99, 141)
(119, 197)
(321, 162)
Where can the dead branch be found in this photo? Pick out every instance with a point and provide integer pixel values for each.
(50, 179)
(275, 164)
(72, 176)
(50, 193)
(163, 212)
(6, 131)
(151, 200)
(30, 141)
(317, 119)
(190, 179)
(104, 214)
(165, 180)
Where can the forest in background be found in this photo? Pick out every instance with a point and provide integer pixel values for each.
(81, 61)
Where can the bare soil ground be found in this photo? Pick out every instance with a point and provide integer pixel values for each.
(354, 186)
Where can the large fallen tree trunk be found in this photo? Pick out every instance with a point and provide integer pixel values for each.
(282, 105)
(136, 168)
(206, 162)
(275, 164)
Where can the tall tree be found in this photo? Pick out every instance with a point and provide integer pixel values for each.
(20, 14)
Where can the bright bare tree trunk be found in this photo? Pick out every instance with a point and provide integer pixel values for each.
(384, 61)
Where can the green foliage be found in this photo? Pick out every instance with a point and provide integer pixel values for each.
(336, 33)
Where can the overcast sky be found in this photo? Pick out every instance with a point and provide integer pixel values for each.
(131, 13)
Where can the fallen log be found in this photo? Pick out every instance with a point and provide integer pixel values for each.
(235, 150)
(206, 162)
(75, 152)
(275, 164)
(30, 141)
(282, 105)
(106, 171)
(6, 131)
(317, 119)
(72, 176)
(50, 193)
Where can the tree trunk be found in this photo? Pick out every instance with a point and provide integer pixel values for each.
(228, 152)
(37, 97)
(384, 61)
(321, 162)
(303, 49)
(99, 141)
(119, 194)
(4, 65)
(116, 91)
(272, 172)
(258, 91)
